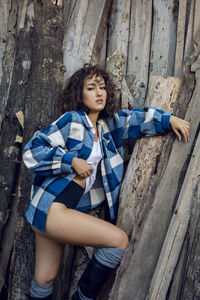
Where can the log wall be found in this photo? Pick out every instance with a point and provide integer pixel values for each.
(152, 49)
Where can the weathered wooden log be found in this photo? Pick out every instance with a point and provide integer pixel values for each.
(196, 29)
(127, 99)
(139, 49)
(177, 229)
(178, 278)
(84, 34)
(148, 232)
(189, 286)
(143, 165)
(185, 284)
(101, 56)
(10, 149)
(43, 86)
(9, 14)
(115, 65)
(178, 66)
(164, 35)
(118, 33)
(189, 32)
(117, 49)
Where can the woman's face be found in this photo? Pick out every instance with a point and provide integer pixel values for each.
(94, 93)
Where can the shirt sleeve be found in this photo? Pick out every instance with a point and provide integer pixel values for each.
(144, 122)
(45, 153)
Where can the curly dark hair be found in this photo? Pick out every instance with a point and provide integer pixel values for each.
(71, 97)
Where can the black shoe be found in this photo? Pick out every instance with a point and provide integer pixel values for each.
(76, 296)
(33, 298)
(93, 279)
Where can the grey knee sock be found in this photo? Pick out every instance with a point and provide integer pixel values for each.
(110, 257)
(40, 291)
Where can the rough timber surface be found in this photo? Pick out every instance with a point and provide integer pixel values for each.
(148, 233)
(139, 49)
(84, 34)
(164, 35)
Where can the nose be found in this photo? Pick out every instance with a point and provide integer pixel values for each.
(98, 91)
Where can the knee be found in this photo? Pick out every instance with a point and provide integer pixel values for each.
(45, 278)
(122, 240)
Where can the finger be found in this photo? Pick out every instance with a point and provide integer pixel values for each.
(184, 132)
(90, 172)
(177, 134)
(187, 123)
(84, 175)
(187, 132)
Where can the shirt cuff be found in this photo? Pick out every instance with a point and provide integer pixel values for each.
(165, 121)
(67, 163)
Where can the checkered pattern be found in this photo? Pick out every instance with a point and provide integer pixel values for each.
(50, 152)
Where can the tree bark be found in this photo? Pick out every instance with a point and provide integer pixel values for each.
(37, 80)
(177, 229)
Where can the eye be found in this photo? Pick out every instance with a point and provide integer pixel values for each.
(90, 88)
(102, 87)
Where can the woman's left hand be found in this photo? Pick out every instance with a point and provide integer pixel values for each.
(179, 125)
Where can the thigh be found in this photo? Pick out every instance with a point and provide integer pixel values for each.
(71, 226)
(48, 255)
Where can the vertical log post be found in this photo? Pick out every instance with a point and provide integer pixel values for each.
(152, 201)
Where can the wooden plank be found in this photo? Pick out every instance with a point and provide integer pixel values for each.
(178, 67)
(4, 68)
(189, 36)
(33, 91)
(176, 284)
(139, 49)
(101, 57)
(118, 40)
(164, 35)
(84, 34)
(118, 33)
(162, 93)
(148, 232)
(196, 28)
(176, 231)
(189, 283)
(127, 99)
(115, 65)
(23, 14)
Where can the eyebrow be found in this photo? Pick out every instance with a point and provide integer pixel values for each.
(94, 83)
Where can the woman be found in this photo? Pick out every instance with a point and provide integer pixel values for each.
(64, 158)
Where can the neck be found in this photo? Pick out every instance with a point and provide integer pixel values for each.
(93, 118)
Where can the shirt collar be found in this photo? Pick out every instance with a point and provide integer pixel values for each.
(86, 120)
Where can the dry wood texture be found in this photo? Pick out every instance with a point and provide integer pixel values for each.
(144, 44)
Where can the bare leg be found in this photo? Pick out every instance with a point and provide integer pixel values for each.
(47, 259)
(66, 225)
(70, 226)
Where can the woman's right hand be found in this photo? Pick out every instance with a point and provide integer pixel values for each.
(81, 167)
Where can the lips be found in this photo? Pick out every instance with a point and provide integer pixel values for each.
(100, 101)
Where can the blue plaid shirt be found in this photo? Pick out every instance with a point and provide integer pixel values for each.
(50, 152)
